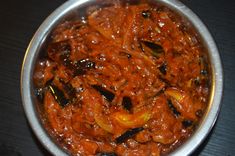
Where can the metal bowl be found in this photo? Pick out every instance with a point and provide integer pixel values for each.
(69, 10)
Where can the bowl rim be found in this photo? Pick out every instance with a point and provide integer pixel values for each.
(39, 37)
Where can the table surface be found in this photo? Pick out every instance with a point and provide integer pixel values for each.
(20, 19)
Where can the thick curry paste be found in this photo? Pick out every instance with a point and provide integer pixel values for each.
(125, 80)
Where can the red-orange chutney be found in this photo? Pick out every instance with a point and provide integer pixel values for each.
(125, 80)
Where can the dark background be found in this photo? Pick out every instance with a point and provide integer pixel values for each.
(19, 19)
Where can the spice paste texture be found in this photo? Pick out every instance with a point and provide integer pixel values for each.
(126, 80)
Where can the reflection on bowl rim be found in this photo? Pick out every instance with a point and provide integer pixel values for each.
(44, 30)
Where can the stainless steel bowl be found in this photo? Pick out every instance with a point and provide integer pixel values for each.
(69, 10)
